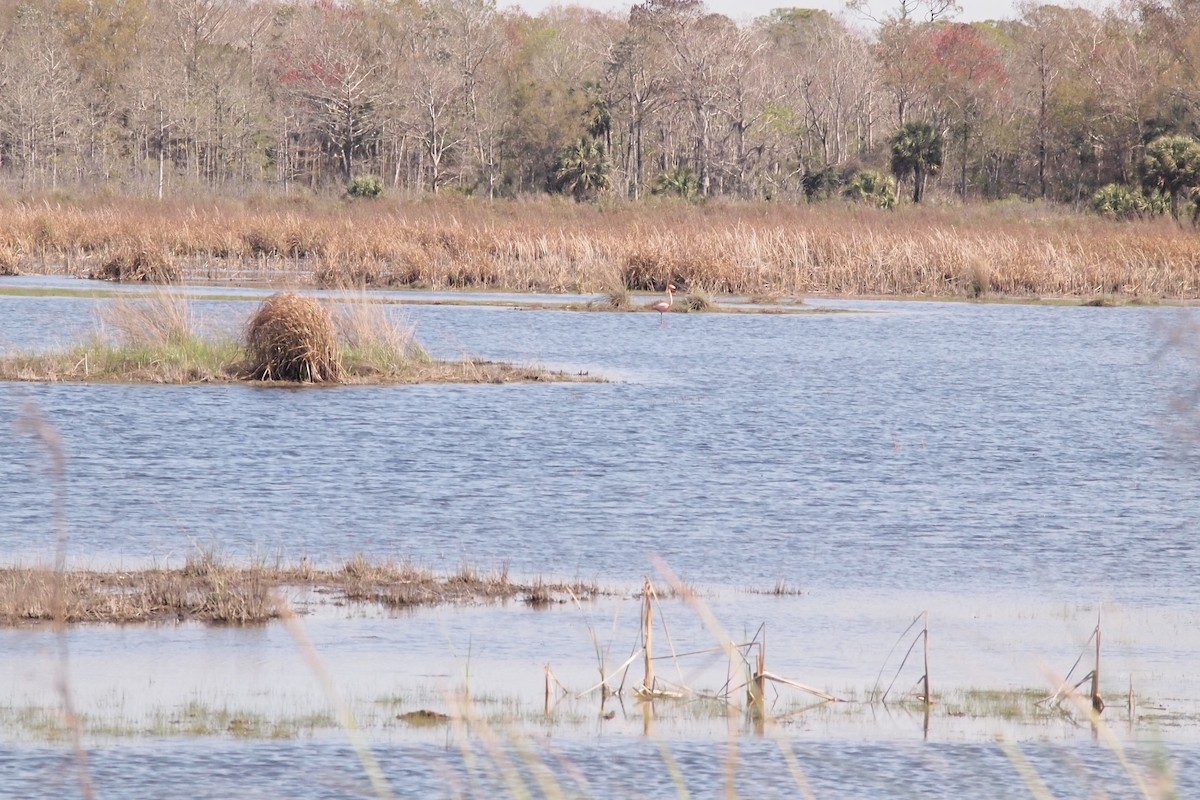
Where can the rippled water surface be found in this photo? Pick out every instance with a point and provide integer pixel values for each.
(1010, 468)
(960, 446)
(610, 768)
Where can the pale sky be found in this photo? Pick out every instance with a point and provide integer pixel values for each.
(744, 10)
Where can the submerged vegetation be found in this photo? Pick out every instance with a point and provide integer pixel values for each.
(207, 589)
(290, 338)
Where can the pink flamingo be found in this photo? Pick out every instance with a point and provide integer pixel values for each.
(663, 306)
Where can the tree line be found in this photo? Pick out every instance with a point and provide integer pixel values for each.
(173, 96)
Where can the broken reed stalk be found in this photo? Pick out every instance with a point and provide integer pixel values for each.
(1097, 700)
(928, 696)
(553, 689)
(924, 634)
(647, 626)
(756, 696)
(33, 422)
(345, 717)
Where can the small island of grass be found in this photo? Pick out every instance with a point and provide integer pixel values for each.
(291, 339)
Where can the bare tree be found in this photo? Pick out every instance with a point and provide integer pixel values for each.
(330, 70)
(39, 110)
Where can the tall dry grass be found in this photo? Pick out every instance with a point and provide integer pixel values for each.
(376, 339)
(554, 246)
(159, 319)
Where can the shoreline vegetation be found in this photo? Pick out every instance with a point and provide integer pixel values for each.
(207, 589)
(762, 251)
(291, 339)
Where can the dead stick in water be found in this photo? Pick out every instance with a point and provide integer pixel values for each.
(816, 692)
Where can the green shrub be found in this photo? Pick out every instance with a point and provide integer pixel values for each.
(1122, 202)
(365, 186)
(820, 183)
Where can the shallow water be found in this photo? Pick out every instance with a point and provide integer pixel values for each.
(1009, 468)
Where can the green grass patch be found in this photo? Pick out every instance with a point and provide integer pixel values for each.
(154, 339)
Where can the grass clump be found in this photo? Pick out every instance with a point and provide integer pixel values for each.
(616, 298)
(696, 300)
(160, 320)
(292, 338)
(152, 339)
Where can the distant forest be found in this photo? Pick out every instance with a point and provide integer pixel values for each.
(175, 97)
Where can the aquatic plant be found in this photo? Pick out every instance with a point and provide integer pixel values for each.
(208, 588)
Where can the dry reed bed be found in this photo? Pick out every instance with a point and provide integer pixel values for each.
(561, 247)
(208, 590)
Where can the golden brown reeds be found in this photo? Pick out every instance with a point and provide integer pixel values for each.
(10, 259)
(726, 248)
(137, 260)
(292, 338)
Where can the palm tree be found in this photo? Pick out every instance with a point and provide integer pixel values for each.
(680, 182)
(581, 170)
(916, 150)
(1172, 165)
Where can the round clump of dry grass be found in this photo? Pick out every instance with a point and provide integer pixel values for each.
(292, 338)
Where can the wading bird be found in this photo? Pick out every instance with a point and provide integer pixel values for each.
(663, 306)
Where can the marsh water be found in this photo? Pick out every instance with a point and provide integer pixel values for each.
(1015, 470)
